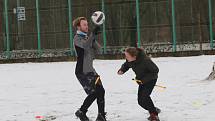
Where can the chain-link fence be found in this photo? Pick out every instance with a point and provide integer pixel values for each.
(155, 25)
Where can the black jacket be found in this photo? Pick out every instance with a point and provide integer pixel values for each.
(144, 68)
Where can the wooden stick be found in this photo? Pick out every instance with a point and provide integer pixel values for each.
(139, 81)
(97, 80)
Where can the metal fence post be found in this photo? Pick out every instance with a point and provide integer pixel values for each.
(138, 23)
(70, 27)
(7, 28)
(104, 31)
(173, 26)
(38, 29)
(211, 24)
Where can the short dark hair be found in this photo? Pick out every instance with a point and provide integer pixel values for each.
(133, 51)
(77, 21)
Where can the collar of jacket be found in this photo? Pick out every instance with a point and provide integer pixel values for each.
(82, 34)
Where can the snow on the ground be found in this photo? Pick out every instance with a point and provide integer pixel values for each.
(31, 89)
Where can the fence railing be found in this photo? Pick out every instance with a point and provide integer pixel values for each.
(40, 25)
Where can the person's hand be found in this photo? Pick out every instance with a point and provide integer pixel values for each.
(120, 72)
(139, 82)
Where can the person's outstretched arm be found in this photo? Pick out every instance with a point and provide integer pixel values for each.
(124, 68)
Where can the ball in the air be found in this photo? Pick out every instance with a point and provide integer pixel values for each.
(98, 17)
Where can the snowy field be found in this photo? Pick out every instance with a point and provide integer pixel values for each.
(31, 89)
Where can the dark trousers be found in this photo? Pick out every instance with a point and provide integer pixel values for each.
(144, 99)
(99, 95)
(94, 92)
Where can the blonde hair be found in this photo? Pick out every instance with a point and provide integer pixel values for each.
(77, 21)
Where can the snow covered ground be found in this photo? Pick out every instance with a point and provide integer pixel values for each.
(31, 89)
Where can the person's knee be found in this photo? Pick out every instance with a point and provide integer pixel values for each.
(139, 100)
(100, 90)
(103, 91)
(101, 95)
(142, 100)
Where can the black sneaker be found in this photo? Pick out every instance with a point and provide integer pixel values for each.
(81, 115)
(101, 117)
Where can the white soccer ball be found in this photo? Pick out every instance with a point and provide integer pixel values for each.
(98, 17)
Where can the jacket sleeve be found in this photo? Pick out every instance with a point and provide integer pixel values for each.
(96, 47)
(125, 67)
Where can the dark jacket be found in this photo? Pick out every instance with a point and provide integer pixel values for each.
(144, 68)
